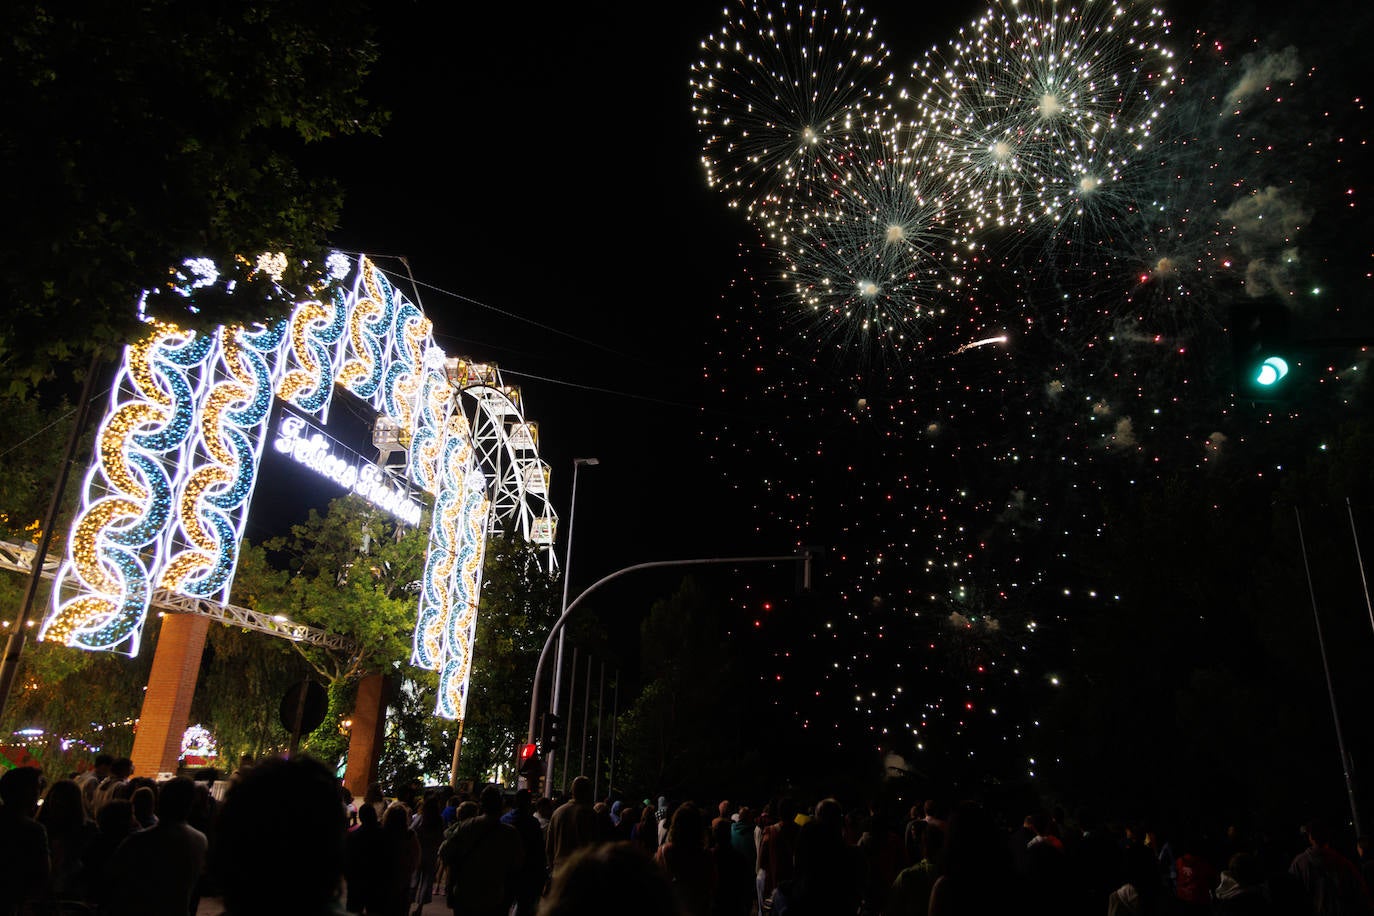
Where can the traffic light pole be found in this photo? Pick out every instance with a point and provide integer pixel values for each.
(803, 557)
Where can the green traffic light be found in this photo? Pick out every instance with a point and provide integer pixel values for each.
(1272, 371)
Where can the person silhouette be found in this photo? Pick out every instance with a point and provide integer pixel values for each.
(279, 843)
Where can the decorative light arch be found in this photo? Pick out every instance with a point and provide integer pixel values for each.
(177, 455)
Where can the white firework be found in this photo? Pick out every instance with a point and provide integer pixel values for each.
(1039, 103)
(775, 98)
(871, 262)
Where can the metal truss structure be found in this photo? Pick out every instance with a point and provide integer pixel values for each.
(19, 558)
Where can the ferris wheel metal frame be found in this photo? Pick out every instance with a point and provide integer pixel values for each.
(506, 448)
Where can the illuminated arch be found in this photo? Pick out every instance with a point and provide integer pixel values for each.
(177, 456)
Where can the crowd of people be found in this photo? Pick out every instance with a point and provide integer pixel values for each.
(287, 838)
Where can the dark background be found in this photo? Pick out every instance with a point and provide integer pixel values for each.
(541, 177)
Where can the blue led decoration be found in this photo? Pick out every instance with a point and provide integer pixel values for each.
(165, 501)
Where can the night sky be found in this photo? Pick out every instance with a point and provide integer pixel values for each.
(543, 178)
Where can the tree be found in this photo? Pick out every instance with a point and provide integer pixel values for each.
(243, 676)
(1198, 689)
(155, 133)
(35, 435)
(350, 572)
(418, 745)
(687, 732)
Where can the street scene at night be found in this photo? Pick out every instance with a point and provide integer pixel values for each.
(771, 457)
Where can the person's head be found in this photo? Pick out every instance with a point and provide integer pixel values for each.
(544, 807)
(467, 810)
(396, 819)
(367, 817)
(829, 813)
(580, 884)
(63, 807)
(175, 800)
(20, 789)
(283, 811)
(726, 808)
(144, 801)
(202, 808)
(116, 819)
(102, 764)
(688, 827)
(1319, 832)
(746, 815)
(122, 768)
(932, 843)
(374, 794)
(523, 801)
(431, 811)
(720, 834)
(491, 802)
(582, 790)
(647, 815)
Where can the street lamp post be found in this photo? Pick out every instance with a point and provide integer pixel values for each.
(567, 575)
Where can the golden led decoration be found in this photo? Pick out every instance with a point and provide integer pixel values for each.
(177, 456)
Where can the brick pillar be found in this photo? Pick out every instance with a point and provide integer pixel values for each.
(167, 702)
(365, 739)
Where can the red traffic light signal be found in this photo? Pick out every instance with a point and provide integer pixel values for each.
(529, 765)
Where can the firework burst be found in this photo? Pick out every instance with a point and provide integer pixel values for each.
(1201, 217)
(1038, 104)
(776, 95)
(871, 263)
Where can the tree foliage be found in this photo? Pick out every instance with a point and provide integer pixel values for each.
(1211, 645)
(154, 132)
(688, 732)
(35, 437)
(243, 676)
(418, 745)
(350, 571)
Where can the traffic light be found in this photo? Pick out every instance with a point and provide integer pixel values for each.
(1262, 350)
(553, 730)
(529, 765)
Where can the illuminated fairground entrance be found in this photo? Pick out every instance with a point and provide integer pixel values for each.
(177, 456)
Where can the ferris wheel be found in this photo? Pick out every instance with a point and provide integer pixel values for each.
(506, 447)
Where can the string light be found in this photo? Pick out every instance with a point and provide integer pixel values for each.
(177, 458)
